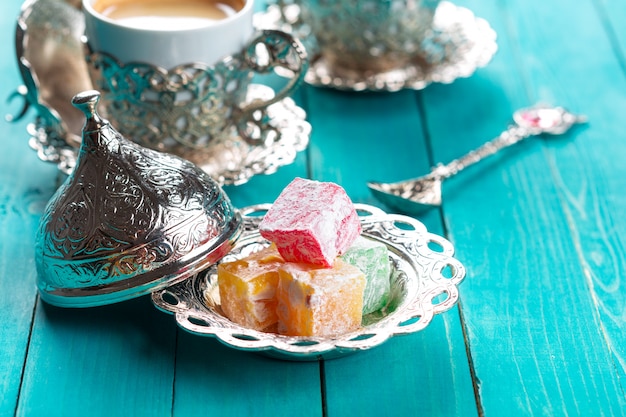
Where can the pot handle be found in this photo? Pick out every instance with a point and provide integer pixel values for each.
(283, 54)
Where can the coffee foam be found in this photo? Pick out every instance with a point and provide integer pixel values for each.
(167, 14)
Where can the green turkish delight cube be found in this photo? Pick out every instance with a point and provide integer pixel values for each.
(371, 257)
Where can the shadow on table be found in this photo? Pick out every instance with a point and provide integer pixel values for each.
(136, 324)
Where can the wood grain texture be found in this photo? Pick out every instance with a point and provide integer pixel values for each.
(101, 361)
(380, 136)
(215, 380)
(612, 13)
(588, 173)
(364, 136)
(22, 198)
(537, 335)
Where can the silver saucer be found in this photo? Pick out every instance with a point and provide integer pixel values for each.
(51, 61)
(459, 44)
(230, 160)
(424, 281)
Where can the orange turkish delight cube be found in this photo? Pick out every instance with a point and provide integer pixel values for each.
(247, 289)
(317, 301)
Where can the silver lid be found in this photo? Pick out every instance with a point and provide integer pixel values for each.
(128, 221)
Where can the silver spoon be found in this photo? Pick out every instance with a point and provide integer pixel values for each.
(415, 195)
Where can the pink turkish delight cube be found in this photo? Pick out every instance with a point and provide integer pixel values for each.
(311, 222)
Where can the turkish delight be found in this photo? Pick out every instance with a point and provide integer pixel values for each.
(371, 257)
(317, 301)
(247, 289)
(311, 222)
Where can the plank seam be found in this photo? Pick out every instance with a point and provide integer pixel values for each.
(323, 387)
(419, 99)
(30, 334)
(174, 373)
(470, 360)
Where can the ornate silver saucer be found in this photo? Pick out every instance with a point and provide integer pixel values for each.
(51, 59)
(459, 43)
(424, 279)
(230, 160)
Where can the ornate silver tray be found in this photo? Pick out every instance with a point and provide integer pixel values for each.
(51, 61)
(459, 44)
(424, 281)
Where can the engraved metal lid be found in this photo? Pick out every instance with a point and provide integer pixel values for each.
(128, 221)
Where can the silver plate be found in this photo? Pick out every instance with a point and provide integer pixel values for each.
(50, 57)
(424, 279)
(458, 44)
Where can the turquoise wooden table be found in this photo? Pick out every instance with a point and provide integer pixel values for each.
(540, 325)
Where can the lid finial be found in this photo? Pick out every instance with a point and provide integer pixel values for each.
(87, 102)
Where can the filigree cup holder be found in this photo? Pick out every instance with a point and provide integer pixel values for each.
(424, 281)
(128, 220)
(183, 110)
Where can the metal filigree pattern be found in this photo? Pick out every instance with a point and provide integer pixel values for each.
(125, 217)
(457, 44)
(51, 59)
(368, 35)
(282, 131)
(230, 160)
(171, 111)
(188, 107)
(424, 278)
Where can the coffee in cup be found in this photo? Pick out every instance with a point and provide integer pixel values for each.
(169, 14)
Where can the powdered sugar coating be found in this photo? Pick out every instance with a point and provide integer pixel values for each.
(247, 289)
(372, 258)
(314, 301)
(311, 222)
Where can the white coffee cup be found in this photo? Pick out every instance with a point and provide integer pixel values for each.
(178, 89)
(163, 45)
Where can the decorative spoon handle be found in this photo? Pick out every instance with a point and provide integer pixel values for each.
(414, 195)
(528, 122)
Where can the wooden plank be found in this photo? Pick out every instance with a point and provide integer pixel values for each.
(215, 380)
(588, 206)
(425, 373)
(212, 379)
(102, 361)
(21, 200)
(535, 330)
(360, 137)
(22, 197)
